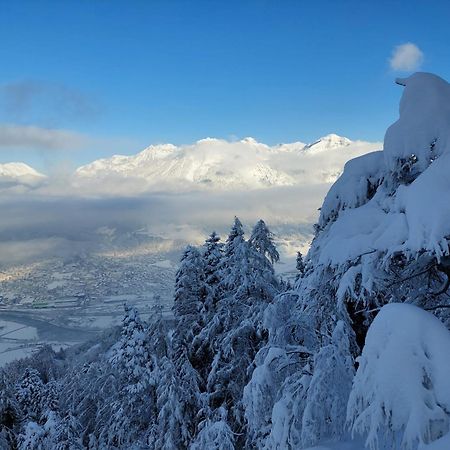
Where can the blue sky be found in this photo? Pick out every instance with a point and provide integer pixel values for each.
(115, 76)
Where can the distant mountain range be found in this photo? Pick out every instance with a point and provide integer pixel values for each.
(208, 164)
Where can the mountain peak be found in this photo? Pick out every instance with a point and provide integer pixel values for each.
(18, 169)
(328, 142)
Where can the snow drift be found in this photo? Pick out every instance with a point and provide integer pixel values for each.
(401, 392)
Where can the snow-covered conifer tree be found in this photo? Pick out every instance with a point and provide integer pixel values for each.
(30, 393)
(67, 435)
(189, 295)
(326, 402)
(10, 414)
(157, 332)
(401, 393)
(130, 355)
(262, 240)
(33, 437)
(133, 410)
(248, 286)
(212, 256)
(202, 354)
(215, 434)
(178, 404)
(300, 265)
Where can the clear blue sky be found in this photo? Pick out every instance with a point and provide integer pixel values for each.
(125, 74)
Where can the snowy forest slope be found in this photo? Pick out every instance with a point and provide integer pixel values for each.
(357, 347)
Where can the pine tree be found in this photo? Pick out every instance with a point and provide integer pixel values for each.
(300, 266)
(157, 332)
(235, 237)
(10, 414)
(329, 390)
(30, 394)
(33, 437)
(130, 355)
(50, 398)
(215, 434)
(132, 411)
(68, 434)
(90, 392)
(212, 258)
(248, 285)
(178, 404)
(262, 241)
(202, 354)
(189, 295)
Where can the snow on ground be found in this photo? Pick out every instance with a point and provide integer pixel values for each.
(165, 264)
(346, 445)
(13, 330)
(15, 341)
(11, 352)
(56, 284)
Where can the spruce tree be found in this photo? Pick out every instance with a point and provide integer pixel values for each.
(300, 266)
(30, 393)
(10, 413)
(189, 295)
(329, 390)
(248, 285)
(132, 411)
(68, 434)
(215, 434)
(178, 403)
(212, 257)
(262, 241)
(130, 355)
(202, 353)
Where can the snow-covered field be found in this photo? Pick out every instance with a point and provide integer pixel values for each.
(16, 340)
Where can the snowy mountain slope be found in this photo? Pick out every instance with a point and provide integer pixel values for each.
(17, 173)
(222, 165)
(328, 142)
(206, 165)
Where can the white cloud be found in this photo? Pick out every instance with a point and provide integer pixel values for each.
(406, 57)
(33, 137)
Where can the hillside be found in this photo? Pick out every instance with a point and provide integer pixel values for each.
(354, 353)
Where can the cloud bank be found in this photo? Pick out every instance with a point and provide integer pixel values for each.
(62, 215)
(38, 138)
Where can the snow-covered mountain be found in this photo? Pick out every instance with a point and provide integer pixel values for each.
(331, 141)
(17, 173)
(223, 165)
(207, 165)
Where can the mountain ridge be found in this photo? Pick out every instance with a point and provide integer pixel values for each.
(220, 164)
(208, 164)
